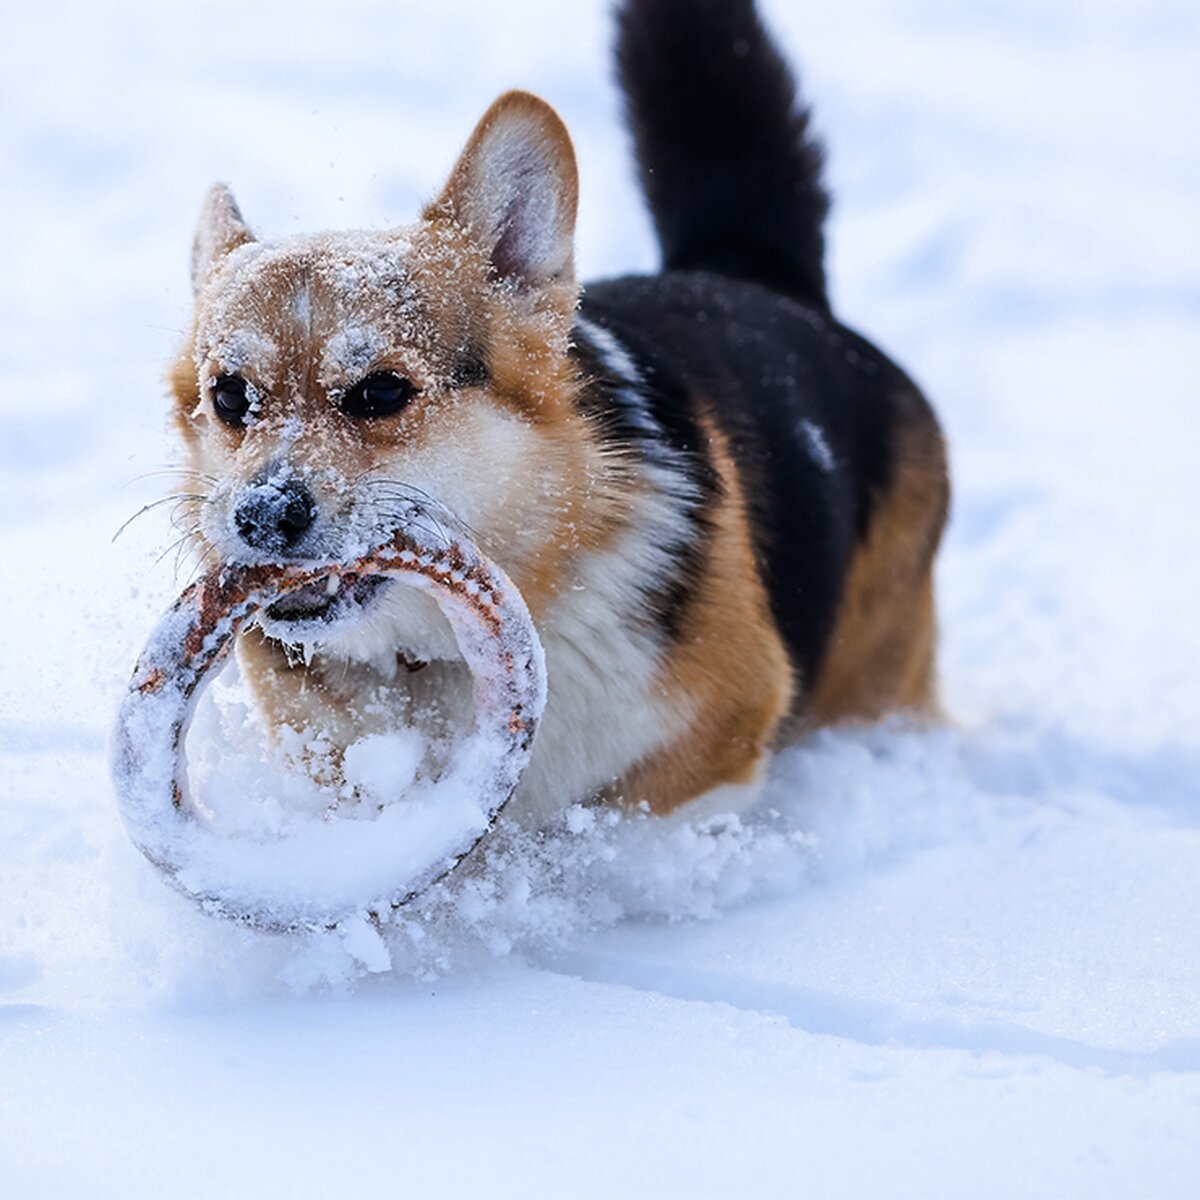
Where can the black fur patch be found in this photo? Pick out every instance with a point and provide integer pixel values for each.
(469, 369)
(809, 410)
(728, 161)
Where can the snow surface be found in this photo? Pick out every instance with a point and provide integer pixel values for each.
(958, 962)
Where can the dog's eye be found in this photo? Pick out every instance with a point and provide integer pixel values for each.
(381, 394)
(230, 399)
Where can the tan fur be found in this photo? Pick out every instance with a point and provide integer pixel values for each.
(881, 655)
(730, 671)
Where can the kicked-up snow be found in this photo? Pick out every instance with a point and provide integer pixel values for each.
(951, 961)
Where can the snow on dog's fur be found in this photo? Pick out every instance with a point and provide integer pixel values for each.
(720, 505)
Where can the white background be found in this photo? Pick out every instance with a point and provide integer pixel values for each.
(961, 962)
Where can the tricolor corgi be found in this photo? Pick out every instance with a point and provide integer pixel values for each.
(720, 505)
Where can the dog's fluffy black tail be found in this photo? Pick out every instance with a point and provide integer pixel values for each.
(729, 165)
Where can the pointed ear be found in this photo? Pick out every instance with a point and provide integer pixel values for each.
(516, 189)
(220, 230)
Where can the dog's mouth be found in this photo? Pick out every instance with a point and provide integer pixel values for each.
(329, 600)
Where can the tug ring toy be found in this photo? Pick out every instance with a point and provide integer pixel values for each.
(333, 869)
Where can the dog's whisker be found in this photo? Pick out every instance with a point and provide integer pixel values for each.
(434, 508)
(183, 472)
(189, 515)
(372, 480)
(407, 520)
(201, 563)
(174, 545)
(407, 491)
(182, 546)
(174, 497)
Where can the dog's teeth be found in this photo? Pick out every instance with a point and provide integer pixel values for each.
(331, 585)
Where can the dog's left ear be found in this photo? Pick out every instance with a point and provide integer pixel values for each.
(515, 189)
(221, 229)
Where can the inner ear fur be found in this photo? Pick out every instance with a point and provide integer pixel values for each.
(220, 230)
(515, 189)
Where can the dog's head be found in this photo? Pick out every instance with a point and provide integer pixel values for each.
(337, 385)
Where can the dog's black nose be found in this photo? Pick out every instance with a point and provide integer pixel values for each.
(275, 516)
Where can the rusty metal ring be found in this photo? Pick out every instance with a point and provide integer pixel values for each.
(337, 869)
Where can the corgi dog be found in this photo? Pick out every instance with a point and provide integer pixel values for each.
(720, 505)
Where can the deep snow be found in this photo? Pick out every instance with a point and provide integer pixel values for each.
(952, 962)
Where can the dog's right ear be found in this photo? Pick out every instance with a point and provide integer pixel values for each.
(221, 229)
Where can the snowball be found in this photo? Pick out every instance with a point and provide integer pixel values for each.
(384, 765)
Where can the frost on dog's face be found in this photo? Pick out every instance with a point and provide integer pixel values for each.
(335, 384)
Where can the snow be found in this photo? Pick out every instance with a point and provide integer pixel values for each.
(941, 962)
(383, 765)
(818, 446)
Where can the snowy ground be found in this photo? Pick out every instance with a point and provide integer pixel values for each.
(963, 962)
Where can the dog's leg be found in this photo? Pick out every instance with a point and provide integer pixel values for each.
(729, 674)
(881, 655)
(297, 695)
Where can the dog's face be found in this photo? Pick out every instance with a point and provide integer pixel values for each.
(337, 386)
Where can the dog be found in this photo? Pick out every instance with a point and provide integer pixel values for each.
(721, 506)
